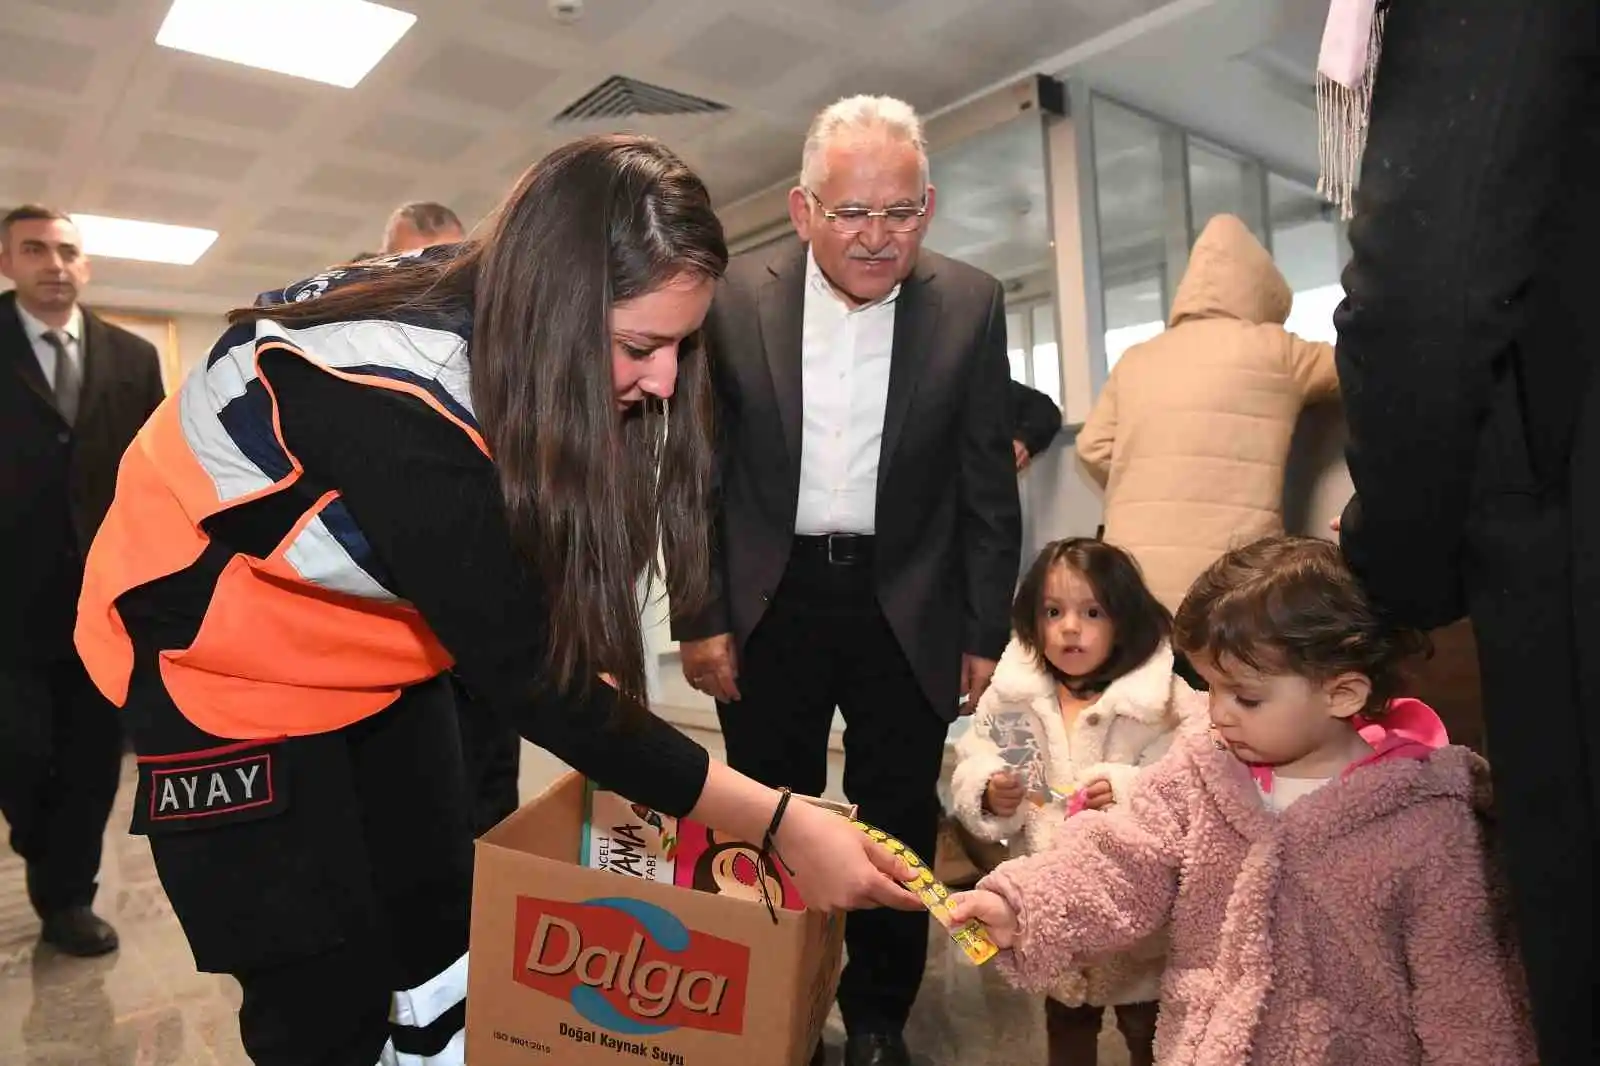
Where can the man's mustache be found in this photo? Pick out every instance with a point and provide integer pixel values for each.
(871, 257)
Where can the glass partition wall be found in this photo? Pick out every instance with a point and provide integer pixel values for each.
(993, 212)
(1155, 187)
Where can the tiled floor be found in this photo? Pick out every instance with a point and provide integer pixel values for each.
(146, 1005)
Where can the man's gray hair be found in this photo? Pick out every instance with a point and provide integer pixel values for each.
(884, 116)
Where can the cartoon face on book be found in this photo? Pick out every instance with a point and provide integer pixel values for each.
(734, 868)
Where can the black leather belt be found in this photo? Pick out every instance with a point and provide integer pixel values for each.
(836, 549)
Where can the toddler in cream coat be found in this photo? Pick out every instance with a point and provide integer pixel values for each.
(1083, 699)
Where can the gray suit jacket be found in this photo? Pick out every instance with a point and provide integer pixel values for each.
(948, 520)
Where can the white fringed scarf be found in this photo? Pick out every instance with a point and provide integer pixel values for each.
(1346, 68)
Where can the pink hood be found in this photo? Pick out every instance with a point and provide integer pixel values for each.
(1410, 730)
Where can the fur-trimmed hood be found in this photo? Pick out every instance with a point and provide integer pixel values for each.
(1143, 694)
(1374, 793)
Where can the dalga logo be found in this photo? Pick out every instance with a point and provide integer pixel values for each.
(631, 967)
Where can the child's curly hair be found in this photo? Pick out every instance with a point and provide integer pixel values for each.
(1291, 604)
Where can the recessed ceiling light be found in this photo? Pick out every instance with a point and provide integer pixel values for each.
(331, 41)
(151, 242)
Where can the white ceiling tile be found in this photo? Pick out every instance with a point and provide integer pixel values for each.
(920, 86)
(130, 199)
(745, 158)
(133, 274)
(31, 131)
(422, 140)
(742, 53)
(42, 63)
(856, 9)
(359, 185)
(81, 7)
(309, 222)
(600, 22)
(288, 257)
(232, 101)
(1031, 30)
(190, 156)
(21, 185)
(464, 73)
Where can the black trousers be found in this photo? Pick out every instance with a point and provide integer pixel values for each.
(493, 754)
(60, 760)
(824, 643)
(361, 888)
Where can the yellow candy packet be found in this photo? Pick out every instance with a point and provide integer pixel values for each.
(970, 936)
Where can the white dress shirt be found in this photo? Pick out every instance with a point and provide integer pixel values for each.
(71, 333)
(844, 359)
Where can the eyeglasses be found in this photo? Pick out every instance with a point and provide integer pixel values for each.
(851, 221)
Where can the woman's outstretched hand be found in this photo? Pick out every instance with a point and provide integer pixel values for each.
(837, 866)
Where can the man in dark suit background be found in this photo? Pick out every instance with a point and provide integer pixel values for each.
(868, 527)
(74, 390)
(1035, 423)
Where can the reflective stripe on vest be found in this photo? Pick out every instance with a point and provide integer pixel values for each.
(310, 638)
(428, 1023)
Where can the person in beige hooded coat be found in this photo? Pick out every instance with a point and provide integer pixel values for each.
(1191, 433)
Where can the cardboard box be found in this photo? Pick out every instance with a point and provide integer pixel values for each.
(579, 966)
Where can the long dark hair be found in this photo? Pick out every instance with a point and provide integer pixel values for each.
(601, 220)
(1139, 623)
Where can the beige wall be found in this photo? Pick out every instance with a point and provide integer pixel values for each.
(196, 335)
(188, 336)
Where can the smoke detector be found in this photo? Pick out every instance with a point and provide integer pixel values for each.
(566, 11)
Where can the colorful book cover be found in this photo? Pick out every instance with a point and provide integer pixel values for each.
(709, 862)
(632, 840)
(625, 838)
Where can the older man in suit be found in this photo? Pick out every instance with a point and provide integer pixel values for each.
(868, 527)
(74, 390)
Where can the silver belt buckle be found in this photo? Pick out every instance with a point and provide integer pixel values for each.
(832, 537)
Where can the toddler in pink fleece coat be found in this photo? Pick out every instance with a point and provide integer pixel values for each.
(1314, 854)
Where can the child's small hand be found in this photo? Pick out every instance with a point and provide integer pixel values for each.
(1004, 794)
(989, 908)
(1097, 795)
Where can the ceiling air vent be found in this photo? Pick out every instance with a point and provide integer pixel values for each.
(619, 97)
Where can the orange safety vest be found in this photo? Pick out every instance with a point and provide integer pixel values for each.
(306, 640)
